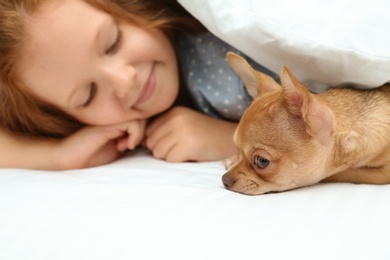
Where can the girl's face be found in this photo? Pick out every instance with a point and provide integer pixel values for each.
(95, 68)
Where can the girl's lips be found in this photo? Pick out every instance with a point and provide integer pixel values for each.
(148, 88)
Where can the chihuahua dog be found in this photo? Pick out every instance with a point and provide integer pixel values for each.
(290, 138)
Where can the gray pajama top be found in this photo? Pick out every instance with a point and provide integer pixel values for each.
(215, 87)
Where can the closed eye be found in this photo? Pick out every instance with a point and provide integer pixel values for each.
(92, 94)
(114, 47)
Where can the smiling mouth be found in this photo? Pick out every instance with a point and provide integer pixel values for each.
(148, 88)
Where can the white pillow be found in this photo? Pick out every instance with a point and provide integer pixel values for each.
(324, 42)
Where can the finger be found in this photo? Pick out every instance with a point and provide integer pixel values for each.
(142, 136)
(122, 144)
(162, 146)
(176, 154)
(158, 134)
(152, 127)
(156, 124)
(131, 131)
(116, 131)
(135, 132)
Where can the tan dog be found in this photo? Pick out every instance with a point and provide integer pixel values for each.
(289, 137)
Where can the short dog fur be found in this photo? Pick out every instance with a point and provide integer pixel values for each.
(290, 138)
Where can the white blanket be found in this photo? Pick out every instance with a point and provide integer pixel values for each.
(324, 42)
(143, 208)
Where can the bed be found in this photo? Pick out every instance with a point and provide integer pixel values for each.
(143, 208)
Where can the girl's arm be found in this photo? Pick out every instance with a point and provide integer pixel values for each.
(18, 151)
(90, 146)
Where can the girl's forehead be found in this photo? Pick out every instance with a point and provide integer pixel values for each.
(58, 40)
(50, 25)
(53, 8)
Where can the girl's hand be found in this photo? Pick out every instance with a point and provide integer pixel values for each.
(97, 145)
(182, 134)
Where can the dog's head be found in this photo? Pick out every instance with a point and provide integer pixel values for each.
(282, 137)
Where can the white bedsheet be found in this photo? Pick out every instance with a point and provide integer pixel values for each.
(143, 208)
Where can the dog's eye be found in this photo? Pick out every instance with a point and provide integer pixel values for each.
(260, 162)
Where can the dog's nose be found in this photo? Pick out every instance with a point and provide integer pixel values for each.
(227, 181)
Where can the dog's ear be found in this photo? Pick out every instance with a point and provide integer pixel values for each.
(256, 83)
(306, 106)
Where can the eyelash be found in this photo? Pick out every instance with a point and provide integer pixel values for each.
(115, 45)
(92, 94)
(111, 50)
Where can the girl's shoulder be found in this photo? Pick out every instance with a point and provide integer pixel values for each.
(203, 48)
(207, 49)
(214, 86)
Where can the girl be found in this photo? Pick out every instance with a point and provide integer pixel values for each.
(80, 79)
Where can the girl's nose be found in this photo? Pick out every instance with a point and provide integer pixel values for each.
(121, 80)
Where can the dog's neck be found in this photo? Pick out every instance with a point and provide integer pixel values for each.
(361, 130)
